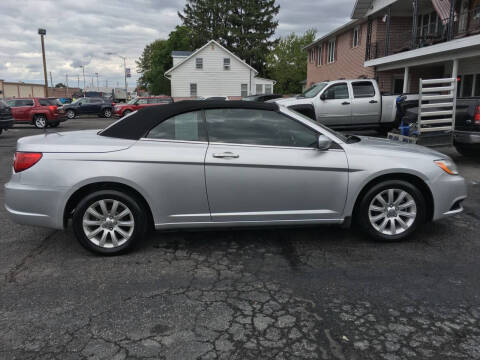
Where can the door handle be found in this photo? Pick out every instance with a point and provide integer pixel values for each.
(373, 101)
(345, 103)
(226, 155)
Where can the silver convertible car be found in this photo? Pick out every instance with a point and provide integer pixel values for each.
(211, 164)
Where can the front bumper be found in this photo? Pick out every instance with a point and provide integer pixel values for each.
(448, 193)
(35, 205)
(467, 137)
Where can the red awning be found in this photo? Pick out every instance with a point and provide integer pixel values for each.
(442, 8)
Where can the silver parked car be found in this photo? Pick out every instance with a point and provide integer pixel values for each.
(199, 164)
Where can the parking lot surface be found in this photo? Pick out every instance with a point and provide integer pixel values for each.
(293, 293)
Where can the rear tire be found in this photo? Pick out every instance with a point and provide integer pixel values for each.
(126, 112)
(405, 207)
(107, 113)
(40, 121)
(100, 227)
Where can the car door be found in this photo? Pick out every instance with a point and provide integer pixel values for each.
(15, 108)
(334, 107)
(366, 106)
(94, 105)
(171, 168)
(263, 166)
(23, 109)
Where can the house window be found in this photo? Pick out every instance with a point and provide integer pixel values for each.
(319, 55)
(356, 36)
(311, 56)
(244, 90)
(193, 89)
(199, 63)
(226, 64)
(467, 85)
(268, 88)
(331, 51)
(258, 88)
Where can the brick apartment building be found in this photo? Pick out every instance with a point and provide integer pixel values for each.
(398, 42)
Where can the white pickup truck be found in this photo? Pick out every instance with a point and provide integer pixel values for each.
(347, 104)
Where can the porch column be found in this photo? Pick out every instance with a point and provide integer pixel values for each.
(387, 34)
(455, 69)
(413, 44)
(406, 77)
(451, 20)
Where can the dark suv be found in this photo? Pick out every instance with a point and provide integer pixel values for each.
(6, 119)
(88, 106)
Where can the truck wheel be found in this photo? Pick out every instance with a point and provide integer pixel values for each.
(107, 113)
(40, 121)
(70, 114)
(466, 150)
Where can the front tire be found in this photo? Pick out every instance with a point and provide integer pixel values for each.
(391, 210)
(109, 222)
(40, 121)
(70, 114)
(126, 112)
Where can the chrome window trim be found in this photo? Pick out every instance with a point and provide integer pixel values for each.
(174, 141)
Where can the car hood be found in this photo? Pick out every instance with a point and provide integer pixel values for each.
(383, 145)
(86, 141)
(292, 101)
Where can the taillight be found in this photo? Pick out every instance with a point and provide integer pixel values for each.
(25, 160)
(476, 117)
(53, 107)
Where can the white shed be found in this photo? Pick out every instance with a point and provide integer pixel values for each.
(213, 70)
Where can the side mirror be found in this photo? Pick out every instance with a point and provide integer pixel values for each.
(324, 142)
(323, 97)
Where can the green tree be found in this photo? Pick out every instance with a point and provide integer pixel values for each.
(245, 27)
(287, 62)
(60, 85)
(156, 59)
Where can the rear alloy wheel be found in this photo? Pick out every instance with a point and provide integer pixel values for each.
(109, 222)
(391, 210)
(70, 114)
(107, 113)
(40, 121)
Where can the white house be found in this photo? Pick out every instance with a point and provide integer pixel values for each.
(213, 70)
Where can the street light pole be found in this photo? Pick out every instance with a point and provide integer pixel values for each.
(124, 69)
(42, 33)
(83, 70)
(97, 81)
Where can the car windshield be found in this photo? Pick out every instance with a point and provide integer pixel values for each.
(314, 90)
(133, 101)
(77, 101)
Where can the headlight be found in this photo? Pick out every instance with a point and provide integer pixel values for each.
(447, 165)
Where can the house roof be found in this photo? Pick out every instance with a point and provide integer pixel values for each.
(182, 53)
(334, 32)
(360, 8)
(203, 47)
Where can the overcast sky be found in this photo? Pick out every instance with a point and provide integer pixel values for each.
(81, 32)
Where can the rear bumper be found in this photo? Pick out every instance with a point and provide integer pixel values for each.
(6, 123)
(59, 118)
(467, 137)
(34, 205)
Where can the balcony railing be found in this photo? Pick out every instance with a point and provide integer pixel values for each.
(465, 24)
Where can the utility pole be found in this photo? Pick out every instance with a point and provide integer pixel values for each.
(66, 81)
(83, 70)
(97, 81)
(124, 69)
(51, 81)
(78, 81)
(42, 33)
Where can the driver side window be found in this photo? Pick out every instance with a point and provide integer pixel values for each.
(257, 127)
(141, 101)
(337, 91)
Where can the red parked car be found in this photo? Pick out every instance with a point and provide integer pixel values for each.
(41, 112)
(140, 102)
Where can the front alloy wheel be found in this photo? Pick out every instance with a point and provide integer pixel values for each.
(391, 210)
(70, 114)
(109, 222)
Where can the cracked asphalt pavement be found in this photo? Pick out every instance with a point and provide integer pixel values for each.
(292, 293)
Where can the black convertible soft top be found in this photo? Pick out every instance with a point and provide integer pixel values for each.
(139, 124)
